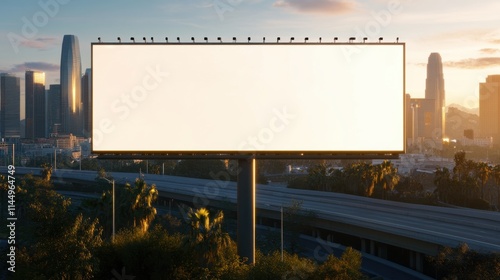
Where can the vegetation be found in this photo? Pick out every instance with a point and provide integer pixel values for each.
(469, 184)
(465, 184)
(56, 242)
(462, 263)
(359, 178)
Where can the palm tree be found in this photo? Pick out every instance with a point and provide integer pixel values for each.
(206, 238)
(387, 177)
(137, 204)
(46, 172)
(483, 171)
(369, 178)
(442, 180)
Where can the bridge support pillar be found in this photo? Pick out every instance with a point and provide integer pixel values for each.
(416, 261)
(372, 247)
(382, 250)
(363, 245)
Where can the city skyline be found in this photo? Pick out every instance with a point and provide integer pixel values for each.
(463, 33)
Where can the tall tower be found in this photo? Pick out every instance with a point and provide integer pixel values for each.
(434, 90)
(35, 104)
(71, 73)
(10, 95)
(489, 108)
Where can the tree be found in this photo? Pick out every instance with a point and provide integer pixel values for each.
(362, 178)
(208, 242)
(386, 177)
(53, 243)
(136, 204)
(318, 177)
(272, 267)
(443, 182)
(463, 263)
(346, 268)
(46, 172)
(483, 171)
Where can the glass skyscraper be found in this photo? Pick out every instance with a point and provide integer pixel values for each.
(71, 99)
(35, 105)
(434, 90)
(10, 109)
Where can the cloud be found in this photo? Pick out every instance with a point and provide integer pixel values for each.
(40, 66)
(41, 43)
(474, 63)
(317, 6)
(489, 51)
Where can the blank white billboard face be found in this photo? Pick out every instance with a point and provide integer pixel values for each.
(249, 98)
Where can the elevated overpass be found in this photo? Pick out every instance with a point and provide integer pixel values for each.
(386, 229)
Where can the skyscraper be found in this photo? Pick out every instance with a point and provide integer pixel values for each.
(10, 95)
(434, 90)
(489, 108)
(35, 104)
(54, 109)
(71, 73)
(86, 103)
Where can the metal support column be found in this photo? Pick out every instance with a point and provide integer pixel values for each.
(246, 209)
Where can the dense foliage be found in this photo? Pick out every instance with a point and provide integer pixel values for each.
(59, 241)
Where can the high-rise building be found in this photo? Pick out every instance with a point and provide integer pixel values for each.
(425, 117)
(489, 108)
(434, 90)
(10, 109)
(54, 109)
(71, 74)
(35, 105)
(86, 102)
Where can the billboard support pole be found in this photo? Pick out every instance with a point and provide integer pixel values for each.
(246, 209)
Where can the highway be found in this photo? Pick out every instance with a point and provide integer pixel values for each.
(438, 225)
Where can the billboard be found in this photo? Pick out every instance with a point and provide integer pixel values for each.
(252, 98)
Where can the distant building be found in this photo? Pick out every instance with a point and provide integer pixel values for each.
(86, 101)
(489, 108)
(71, 99)
(434, 90)
(10, 99)
(35, 105)
(427, 114)
(54, 109)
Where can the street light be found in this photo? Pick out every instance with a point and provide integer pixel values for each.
(281, 233)
(113, 197)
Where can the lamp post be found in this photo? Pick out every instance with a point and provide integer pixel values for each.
(113, 198)
(281, 233)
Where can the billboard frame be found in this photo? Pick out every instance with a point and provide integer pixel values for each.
(199, 154)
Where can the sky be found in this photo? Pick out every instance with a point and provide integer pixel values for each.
(466, 34)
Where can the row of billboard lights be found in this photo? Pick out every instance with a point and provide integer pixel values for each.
(351, 39)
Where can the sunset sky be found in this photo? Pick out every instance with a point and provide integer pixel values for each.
(465, 33)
